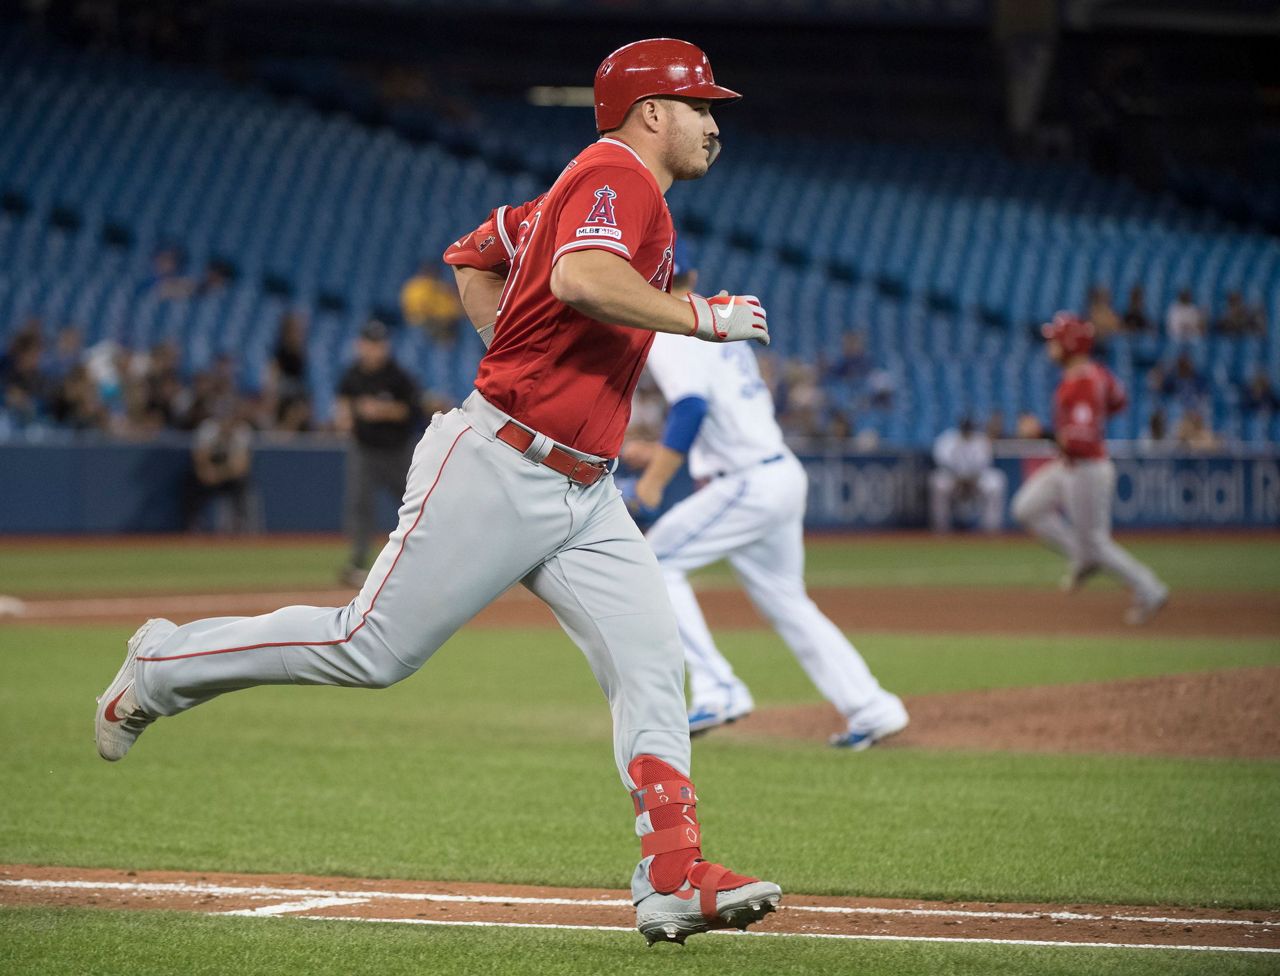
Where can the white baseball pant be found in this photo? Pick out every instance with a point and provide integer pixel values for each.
(755, 518)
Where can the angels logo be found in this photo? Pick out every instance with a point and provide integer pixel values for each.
(485, 244)
(602, 212)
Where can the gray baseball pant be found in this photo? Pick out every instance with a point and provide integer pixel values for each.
(1084, 490)
(478, 517)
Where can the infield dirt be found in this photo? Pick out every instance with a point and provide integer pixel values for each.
(427, 902)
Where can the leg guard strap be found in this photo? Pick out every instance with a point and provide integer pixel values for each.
(685, 837)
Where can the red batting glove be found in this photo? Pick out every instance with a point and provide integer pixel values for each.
(729, 318)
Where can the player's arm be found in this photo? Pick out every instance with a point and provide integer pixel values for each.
(481, 262)
(479, 291)
(603, 286)
(683, 423)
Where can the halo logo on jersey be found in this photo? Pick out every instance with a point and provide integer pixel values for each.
(602, 212)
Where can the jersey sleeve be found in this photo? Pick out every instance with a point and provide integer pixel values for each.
(674, 363)
(1117, 398)
(491, 246)
(609, 208)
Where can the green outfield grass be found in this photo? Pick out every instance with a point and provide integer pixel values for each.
(161, 944)
(1214, 563)
(443, 776)
(433, 779)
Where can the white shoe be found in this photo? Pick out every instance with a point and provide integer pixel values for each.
(711, 715)
(120, 720)
(676, 916)
(1144, 608)
(884, 717)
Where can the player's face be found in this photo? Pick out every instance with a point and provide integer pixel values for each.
(1055, 351)
(691, 138)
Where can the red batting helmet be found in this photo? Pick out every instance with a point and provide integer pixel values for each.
(643, 69)
(1073, 333)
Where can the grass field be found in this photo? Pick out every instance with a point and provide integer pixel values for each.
(433, 779)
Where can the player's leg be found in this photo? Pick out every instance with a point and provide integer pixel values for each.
(772, 571)
(606, 590)
(942, 484)
(725, 515)
(1036, 507)
(993, 486)
(429, 580)
(1090, 490)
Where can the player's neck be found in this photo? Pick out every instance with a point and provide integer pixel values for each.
(1075, 362)
(648, 155)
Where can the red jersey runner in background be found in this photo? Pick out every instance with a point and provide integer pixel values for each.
(1067, 503)
(1087, 397)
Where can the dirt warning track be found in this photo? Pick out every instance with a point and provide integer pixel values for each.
(801, 916)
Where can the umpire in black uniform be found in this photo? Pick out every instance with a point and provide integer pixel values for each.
(378, 404)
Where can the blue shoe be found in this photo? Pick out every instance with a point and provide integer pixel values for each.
(879, 720)
(704, 718)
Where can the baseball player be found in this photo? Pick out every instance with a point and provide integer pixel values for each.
(751, 511)
(1082, 480)
(963, 467)
(515, 485)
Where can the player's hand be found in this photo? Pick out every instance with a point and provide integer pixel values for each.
(639, 510)
(729, 318)
(638, 454)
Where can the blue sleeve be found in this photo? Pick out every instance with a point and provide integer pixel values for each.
(683, 421)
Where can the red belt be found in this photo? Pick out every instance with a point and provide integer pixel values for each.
(578, 471)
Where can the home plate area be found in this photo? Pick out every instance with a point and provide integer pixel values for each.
(520, 906)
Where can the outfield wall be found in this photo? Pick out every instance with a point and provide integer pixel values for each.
(106, 487)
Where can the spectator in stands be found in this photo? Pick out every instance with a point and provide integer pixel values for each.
(161, 387)
(1028, 427)
(1183, 382)
(377, 405)
(800, 400)
(216, 278)
(995, 426)
(287, 397)
(1259, 394)
(66, 354)
(839, 430)
(853, 364)
(1157, 428)
(881, 387)
(213, 390)
(1239, 318)
(76, 403)
(1184, 320)
(1135, 314)
(166, 280)
(427, 302)
(1100, 312)
(1193, 433)
(26, 390)
(964, 472)
(221, 458)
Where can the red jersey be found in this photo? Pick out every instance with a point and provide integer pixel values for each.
(1088, 394)
(551, 367)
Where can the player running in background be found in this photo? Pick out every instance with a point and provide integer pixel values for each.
(1082, 480)
(750, 511)
(515, 486)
